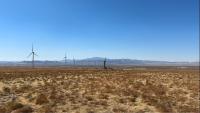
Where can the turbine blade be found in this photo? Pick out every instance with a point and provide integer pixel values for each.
(32, 47)
(35, 54)
(29, 55)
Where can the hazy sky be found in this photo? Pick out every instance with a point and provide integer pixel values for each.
(137, 29)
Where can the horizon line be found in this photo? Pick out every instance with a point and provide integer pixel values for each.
(198, 61)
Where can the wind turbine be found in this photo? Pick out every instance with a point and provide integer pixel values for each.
(73, 61)
(104, 63)
(65, 58)
(33, 54)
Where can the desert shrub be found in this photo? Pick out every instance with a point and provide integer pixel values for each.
(160, 90)
(103, 96)
(187, 108)
(145, 110)
(132, 99)
(75, 107)
(52, 95)
(165, 106)
(10, 106)
(6, 90)
(25, 109)
(100, 102)
(90, 110)
(23, 88)
(119, 110)
(103, 103)
(46, 109)
(29, 97)
(14, 88)
(122, 100)
(41, 99)
(138, 85)
(89, 98)
(2, 109)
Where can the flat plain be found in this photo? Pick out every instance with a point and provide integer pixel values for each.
(93, 90)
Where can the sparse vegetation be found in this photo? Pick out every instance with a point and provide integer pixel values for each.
(41, 99)
(99, 91)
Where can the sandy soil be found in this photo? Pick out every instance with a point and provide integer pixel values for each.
(133, 90)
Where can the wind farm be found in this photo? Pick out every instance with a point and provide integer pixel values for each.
(98, 85)
(99, 56)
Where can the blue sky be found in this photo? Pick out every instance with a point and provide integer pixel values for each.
(136, 29)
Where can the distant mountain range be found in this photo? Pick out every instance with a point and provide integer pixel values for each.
(98, 61)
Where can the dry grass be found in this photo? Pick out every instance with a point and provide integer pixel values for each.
(99, 91)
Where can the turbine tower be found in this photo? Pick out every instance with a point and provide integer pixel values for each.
(104, 63)
(33, 54)
(65, 58)
(73, 61)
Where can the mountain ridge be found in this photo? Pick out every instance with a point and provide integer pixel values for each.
(99, 60)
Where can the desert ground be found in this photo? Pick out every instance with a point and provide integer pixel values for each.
(95, 90)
